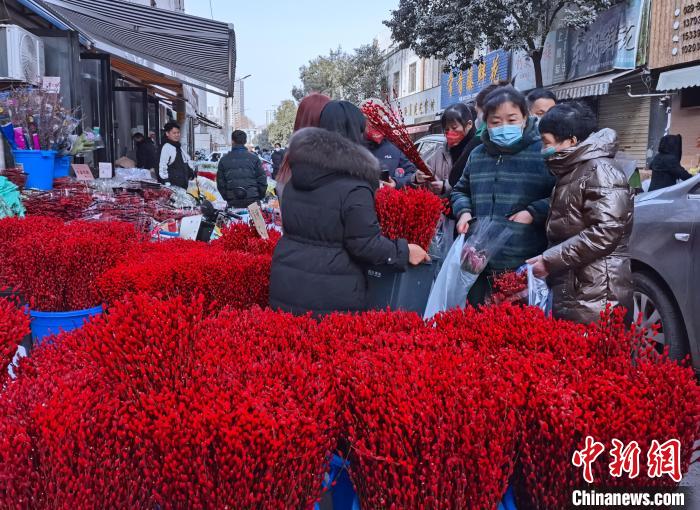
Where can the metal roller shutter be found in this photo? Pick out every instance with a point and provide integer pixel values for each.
(628, 116)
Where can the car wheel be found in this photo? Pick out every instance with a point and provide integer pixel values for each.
(654, 307)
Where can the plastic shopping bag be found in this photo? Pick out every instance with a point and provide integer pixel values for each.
(452, 283)
(486, 239)
(538, 292)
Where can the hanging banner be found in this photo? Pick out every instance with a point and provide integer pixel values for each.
(611, 42)
(616, 40)
(462, 86)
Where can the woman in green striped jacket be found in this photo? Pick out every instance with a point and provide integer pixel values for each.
(506, 180)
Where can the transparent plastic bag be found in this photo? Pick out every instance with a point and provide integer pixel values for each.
(486, 239)
(538, 292)
(452, 283)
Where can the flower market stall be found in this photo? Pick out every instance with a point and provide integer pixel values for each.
(186, 391)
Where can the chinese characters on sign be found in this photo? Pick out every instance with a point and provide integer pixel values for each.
(663, 459)
(460, 86)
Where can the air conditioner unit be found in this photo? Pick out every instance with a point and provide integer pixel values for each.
(21, 55)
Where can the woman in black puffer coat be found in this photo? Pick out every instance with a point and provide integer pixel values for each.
(666, 169)
(331, 232)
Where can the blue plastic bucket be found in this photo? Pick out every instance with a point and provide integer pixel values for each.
(61, 167)
(344, 497)
(337, 482)
(39, 167)
(45, 324)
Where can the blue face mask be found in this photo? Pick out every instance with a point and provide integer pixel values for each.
(549, 152)
(506, 135)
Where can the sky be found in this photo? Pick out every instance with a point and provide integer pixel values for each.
(276, 37)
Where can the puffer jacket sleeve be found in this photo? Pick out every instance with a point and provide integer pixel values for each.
(409, 171)
(607, 210)
(362, 237)
(539, 210)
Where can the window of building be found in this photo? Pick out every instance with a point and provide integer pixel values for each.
(396, 85)
(412, 78)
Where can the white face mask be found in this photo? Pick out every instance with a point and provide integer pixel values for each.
(479, 121)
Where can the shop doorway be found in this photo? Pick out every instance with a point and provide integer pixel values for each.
(131, 115)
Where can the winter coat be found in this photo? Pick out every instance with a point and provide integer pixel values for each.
(331, 232)
(588, 229)
(277, 158)
(392, 159)
(241, 179)
(499, 182)
(443, 164)
(666, 169)
(146, 155)
(174, 165)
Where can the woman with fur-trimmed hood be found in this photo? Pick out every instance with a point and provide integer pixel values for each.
(331, 232)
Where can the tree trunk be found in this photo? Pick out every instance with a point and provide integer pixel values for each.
(536, 56)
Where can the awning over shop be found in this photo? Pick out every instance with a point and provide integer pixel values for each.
(679, 79)
(207, 122)
(201, 49)
(595, 86)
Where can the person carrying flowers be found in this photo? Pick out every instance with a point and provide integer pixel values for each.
(506, 180)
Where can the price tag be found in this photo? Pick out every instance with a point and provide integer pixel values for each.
(105, 170)
(258, 220)
(51, 84)
(83, 173)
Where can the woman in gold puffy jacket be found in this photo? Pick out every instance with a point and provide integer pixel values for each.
(588, 263)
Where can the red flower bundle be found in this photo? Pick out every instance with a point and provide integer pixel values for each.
(67, 204)
(56, 265)
(392, 126)
(428, 428)
(242, 408)
(640, 406)
(510, 287)
(188, 269)
(410, 214)
(163, 397)
(245, 238)
(14, 326)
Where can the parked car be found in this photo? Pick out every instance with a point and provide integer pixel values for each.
(429, 144)
(665, 248)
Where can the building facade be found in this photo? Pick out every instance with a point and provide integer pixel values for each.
(675, 59)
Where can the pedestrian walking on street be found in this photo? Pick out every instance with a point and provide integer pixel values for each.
(175, 166)
(480, 101)
(448, 164)
(331, 232)
(666, 169)
(397, 170)
(277, 157)
(540, 101)
(506, 180)
(241, 179)
(308, 115)
(588, 263)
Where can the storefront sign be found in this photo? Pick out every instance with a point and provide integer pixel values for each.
(611, 42)
(461, 86)
(421, 107)
(675, 33)
(616, 40)
(523, 71)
